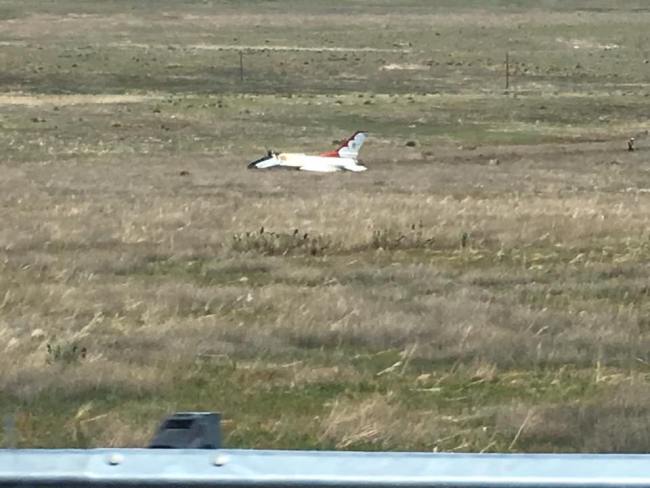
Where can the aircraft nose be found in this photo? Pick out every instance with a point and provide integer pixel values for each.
(253, 164)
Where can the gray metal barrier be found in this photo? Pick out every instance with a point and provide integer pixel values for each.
(307, 469)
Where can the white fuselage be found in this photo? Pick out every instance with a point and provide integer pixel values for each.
(343, 158)
(322, 164)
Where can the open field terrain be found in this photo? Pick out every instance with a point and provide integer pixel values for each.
(484, 287)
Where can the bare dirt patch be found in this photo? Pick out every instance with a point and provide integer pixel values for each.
(63, 100)
(258, 47)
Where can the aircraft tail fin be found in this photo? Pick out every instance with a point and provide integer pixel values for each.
(350, 147)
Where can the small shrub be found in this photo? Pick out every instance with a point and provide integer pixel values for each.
(281, 243)
(65, 353)
(390, 239)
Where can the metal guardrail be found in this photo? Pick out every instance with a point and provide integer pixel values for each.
(314, 469)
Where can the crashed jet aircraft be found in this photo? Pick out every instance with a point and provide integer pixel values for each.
(345, 158)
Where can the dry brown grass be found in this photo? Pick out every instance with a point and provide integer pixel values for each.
(375, 422)
(150, 282)
(616, 422)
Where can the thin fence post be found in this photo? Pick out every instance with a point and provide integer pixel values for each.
(507, 70)
(241, 66)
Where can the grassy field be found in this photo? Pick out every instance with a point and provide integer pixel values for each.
(484, 287)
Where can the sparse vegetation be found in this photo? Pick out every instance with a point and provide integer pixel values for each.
(65, 353)
(482, 288)
(280, 243)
